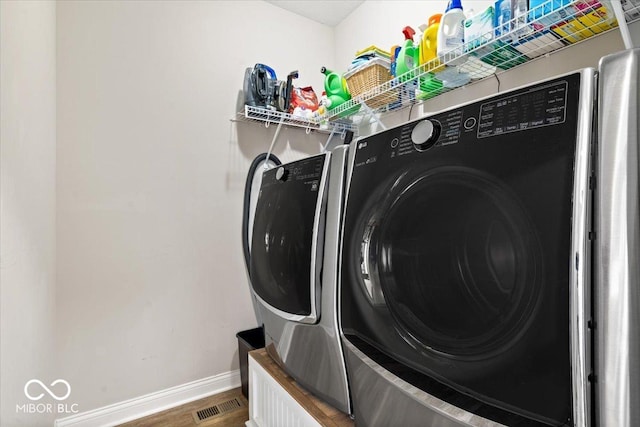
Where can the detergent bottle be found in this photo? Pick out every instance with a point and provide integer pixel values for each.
(451, 32)
(429, 42)
(409, 56)
(336, 88)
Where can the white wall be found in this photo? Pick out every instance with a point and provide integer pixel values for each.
(151, 288)
(380, 23)
(27, 208)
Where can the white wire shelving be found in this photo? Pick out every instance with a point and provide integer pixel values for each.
(550, 27)
(554, 25)
(269, 116)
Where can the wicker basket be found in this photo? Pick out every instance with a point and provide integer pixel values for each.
(370, 76)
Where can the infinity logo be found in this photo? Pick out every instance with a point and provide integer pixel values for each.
(52, 394)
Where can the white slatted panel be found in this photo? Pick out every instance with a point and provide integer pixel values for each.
(270, 405)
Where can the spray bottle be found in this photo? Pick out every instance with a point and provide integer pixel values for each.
(408, 58)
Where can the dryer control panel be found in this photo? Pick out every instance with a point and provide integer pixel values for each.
(300, 176)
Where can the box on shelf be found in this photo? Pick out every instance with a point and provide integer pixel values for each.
(540, 8)
(572, 31)
(368, 77)
(595, 16)
(576, 21)
(478, 29)
(501, 55)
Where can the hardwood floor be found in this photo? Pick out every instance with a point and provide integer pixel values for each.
(183, 416)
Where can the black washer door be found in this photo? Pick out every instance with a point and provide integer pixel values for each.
(285, 246)
(458, 262)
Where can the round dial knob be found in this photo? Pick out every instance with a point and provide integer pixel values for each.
(281, 174)
(425, 134)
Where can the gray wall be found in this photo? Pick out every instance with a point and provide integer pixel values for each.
(151, 284)
(27, 206)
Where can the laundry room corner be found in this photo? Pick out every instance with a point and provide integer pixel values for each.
(122, 271)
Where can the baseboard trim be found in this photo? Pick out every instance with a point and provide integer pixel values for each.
(142, 406)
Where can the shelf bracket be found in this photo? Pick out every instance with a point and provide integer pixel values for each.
(326, 145)
(622, 24)
(373, 116)
(273, 142)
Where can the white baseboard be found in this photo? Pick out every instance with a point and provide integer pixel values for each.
(151, 403)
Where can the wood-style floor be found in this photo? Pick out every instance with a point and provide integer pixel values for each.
(183, 416)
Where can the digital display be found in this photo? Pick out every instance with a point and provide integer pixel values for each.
(538, 107)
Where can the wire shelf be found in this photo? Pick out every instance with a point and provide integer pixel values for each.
(268, 116)
(631, 10)
(554, 25)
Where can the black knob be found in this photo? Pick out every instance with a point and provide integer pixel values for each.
(425, 134)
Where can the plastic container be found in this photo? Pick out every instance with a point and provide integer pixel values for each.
(451, 30)
(429, 41)
(520, 10)
(408, 57)
(539, 8)
(430, 86)
(478, 29)
(251, 339)
(336, 88)
(503, 15)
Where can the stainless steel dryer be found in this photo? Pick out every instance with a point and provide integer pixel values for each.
(467, 265)
(294, 271)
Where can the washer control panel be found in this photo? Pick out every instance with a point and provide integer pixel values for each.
(425, 134)
(522, 110)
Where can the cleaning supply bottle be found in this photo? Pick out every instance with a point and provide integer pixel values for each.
(503, 14)
(429, 42)
(336, 88)
(408, 58)
(451, 32)
(520, 11)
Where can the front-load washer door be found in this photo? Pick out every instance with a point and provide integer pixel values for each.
(286, 245)
(457, 253)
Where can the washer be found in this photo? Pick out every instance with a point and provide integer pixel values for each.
(293, 270)
(465, 272)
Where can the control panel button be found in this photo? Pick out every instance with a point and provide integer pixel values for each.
(394, 142)
(425, 134)
(470, 123)
(281, 174)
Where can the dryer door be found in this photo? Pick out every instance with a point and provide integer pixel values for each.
(286, 245)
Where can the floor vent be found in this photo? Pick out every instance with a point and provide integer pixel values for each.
(217, 410)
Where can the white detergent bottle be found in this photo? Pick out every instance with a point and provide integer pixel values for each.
(451, 33)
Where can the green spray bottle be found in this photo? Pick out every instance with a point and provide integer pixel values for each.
(409, 56)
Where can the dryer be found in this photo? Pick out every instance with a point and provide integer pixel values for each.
(468, 276)
(293, 270)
